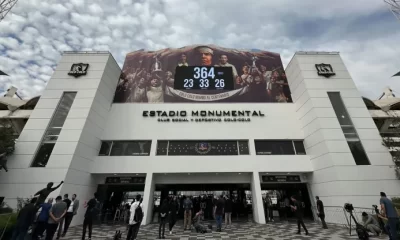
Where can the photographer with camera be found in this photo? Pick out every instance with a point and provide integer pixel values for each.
(371, 224)
(362, 232)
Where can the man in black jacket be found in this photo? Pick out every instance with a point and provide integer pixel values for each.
(321, 212)
(298, 211)
(25, 218)
(173, 211)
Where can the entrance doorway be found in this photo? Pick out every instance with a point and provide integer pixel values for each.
(205, 195)
(114, 197)
(280, 194)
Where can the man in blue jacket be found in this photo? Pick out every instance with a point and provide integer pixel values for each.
(42, 219)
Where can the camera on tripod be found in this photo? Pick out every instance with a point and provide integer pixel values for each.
(348, 207)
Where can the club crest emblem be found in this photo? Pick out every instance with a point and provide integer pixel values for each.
(78, 69)
(203, 148)
(325, 70)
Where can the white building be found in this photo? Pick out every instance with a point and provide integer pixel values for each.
(344, 161)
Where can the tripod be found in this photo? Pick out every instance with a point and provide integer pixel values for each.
(351, 217)
(381, 224)
(354, 219)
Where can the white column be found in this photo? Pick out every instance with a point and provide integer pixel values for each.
(148, 200)
(258, 208)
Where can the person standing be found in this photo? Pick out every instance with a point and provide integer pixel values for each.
(57, 212)
(389, 211)
(92, 210)
(268, 203)
(228, 212)
(219, 212)
(135, 218)
(321, 212)
(187, 207)
(24, 220)
(42, 220)
(164, 209)
(173, 211)
(298, 210)
(61, 222)
(71, 212)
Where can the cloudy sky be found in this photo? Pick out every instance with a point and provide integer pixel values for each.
(35, 32)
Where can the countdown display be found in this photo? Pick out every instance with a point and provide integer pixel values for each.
(203, 78)
(202, 73)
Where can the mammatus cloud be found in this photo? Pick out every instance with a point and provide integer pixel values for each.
(36, 32)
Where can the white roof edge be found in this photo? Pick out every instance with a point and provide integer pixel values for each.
(86, 52)
(315, 53)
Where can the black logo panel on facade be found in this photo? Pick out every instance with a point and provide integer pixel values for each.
(78, 69)
(125, 180)
(325, 70)
(281, 178)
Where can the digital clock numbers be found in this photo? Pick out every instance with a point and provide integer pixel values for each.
(203, 78)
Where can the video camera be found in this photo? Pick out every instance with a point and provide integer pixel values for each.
(348, 207)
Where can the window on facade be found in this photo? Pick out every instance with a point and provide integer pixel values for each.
(299, 147)
(274, 147)
(105, 148)
(43, 154)
(358, 152)
(243, 147)
(125, 148)
(202, 147)
(53, 130)
(162, 147)
(349, 131)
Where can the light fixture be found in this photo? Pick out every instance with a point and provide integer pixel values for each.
(240, 173)
(288, 173)
(267, 173)
(137, 174)
(115, 174)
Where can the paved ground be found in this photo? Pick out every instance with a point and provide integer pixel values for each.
(243, 230)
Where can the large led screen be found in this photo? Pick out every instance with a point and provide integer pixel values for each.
(166, 76)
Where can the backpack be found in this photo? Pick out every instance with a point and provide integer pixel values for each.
(118, 235)
(362, 232)
(96, 209)
(138, 214)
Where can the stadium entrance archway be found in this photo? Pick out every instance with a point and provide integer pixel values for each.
(280, 191)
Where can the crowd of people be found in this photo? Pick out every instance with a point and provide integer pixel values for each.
(222, 206)
(47, 219)
(52, 218)
(55, 218)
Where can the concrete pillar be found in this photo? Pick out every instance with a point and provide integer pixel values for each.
(148, 199)
(258, 207)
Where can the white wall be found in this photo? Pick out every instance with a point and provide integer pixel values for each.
(126, 122)
(79, 140)
(336, 177)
